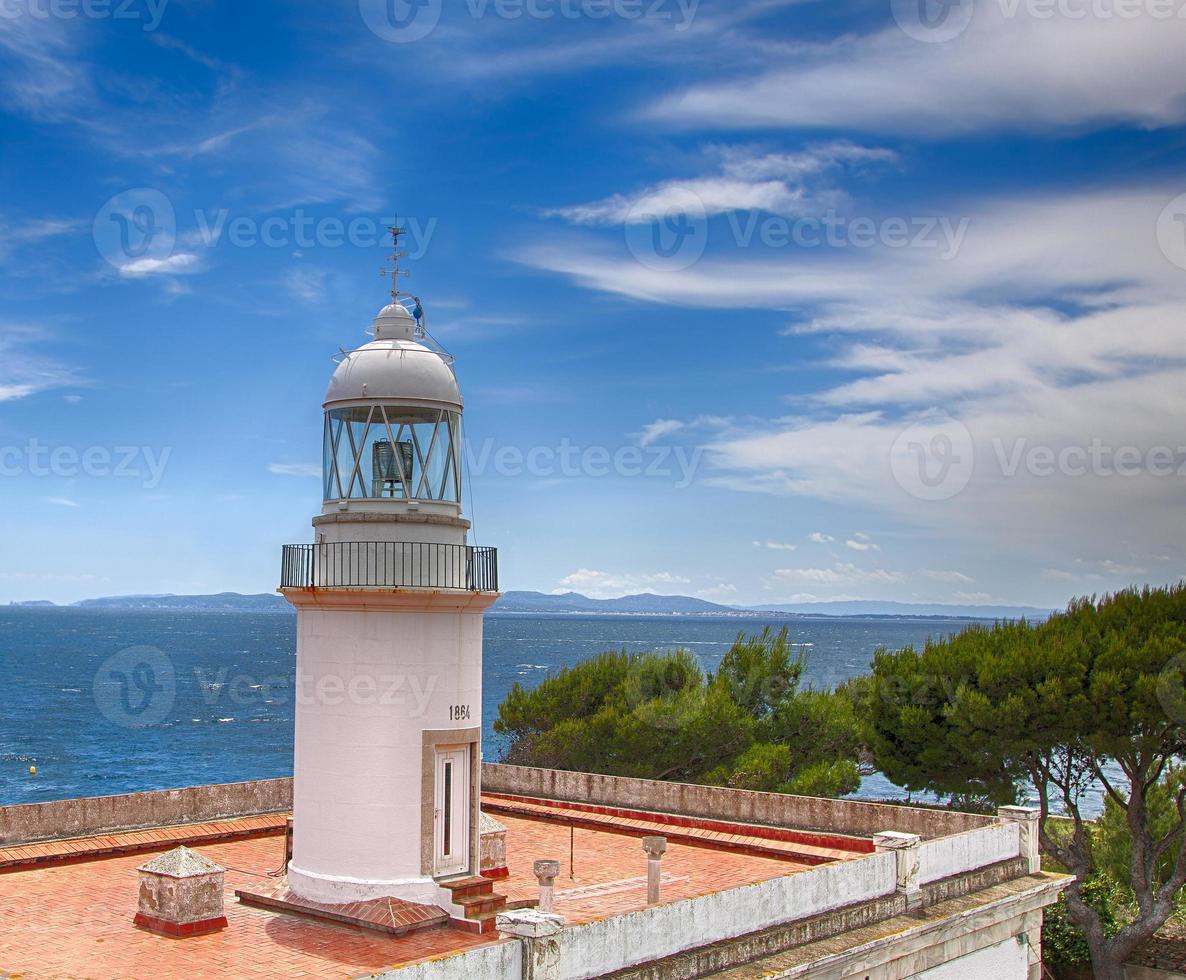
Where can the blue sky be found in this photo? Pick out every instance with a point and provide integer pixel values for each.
(854, 303)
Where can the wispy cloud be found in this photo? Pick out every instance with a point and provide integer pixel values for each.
(295, 469)
(24, 369)
(1004, 72)
(779, 183)
(1043, 332)
(604, 585)
(842, 573)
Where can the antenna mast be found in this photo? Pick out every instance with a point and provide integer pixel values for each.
(394, 272)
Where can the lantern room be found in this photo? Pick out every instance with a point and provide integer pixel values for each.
(393, 422)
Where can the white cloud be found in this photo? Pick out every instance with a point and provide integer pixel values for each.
(607, 585)
(723, 592)
(842, 573)
(295, 469)
(61, 501)
(852, 545)
(818, 537)
(947, 575)
(306, 283)
(658, 429)
(747, 181)
(24, 370)
(1004, 72)
(1044, 334)
(181, 263)
(777, 545)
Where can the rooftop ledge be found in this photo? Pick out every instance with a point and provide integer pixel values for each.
(794, 884)
(389, 565)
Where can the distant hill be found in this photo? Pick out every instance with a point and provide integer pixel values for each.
(635, 605)
(223, 602)
(677, 605)
(573, 603)
(872, 607)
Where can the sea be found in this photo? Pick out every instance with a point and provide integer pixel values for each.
(115, 701)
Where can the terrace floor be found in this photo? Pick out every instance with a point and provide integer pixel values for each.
(72, 916)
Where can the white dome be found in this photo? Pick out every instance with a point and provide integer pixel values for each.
(394, 368)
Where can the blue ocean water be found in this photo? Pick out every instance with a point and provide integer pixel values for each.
(217, 704)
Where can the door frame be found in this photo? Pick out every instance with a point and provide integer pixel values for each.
(451, 810)
(468, 738)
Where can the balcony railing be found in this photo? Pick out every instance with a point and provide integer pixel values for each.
(389, 565)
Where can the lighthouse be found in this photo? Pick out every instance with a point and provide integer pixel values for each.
(389, 600)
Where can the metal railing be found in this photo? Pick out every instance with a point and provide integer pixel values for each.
(389, 565)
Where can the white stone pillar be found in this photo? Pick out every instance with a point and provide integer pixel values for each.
(546, 872)
(655, 848)
(1026, 819)
(907, 848)
(539, 934)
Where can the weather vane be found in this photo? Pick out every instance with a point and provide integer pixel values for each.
(394, 271)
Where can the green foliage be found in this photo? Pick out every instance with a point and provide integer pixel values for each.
(657, 716)
(1112, 843)
(1094, 694)
(1064, 946)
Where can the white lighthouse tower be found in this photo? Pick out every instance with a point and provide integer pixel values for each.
(389, 603)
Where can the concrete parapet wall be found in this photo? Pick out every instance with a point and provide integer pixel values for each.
(158, 808)
(954, 855)
(591, 949)
(772, 809)
(29, 822)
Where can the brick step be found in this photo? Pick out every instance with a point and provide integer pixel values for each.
(483, 925)
(479, 902)
(482, 904)
(463, 888)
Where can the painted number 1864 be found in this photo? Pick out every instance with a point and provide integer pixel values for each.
(459, 712)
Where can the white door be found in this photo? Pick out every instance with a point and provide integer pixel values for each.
(451, 848)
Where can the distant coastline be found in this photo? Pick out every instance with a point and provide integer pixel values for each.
(575, 604)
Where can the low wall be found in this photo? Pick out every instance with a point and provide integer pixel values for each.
(503, 960)
(773, 809)
(938, 859)
(590, 950)
(28, 822)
